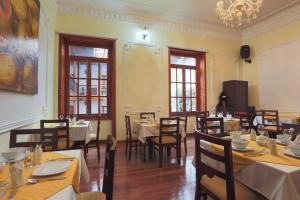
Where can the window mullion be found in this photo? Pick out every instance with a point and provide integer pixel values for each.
(183, 90)
(88, 94)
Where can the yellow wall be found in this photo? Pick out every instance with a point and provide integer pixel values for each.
(279, 36)
(46, 112)
(222, 60)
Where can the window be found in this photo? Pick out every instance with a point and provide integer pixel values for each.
(86, 77)
(187, 81)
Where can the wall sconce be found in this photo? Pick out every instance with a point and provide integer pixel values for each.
(145, 33)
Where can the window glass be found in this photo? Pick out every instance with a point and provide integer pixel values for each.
(82, 105)
(103, 70)
(94, 70)
(179, 75)
(88, 51)
(181, 60)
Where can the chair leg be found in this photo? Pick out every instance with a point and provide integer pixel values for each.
(178, 152)
(136, 148)
(130, 143)
(150, 149)
(85, 151)
(160, 152)
(185, 146)
(126, 148)
(98, 150)
(168, 151)
(144, 152)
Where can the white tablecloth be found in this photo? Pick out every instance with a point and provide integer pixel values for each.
(274, 181)
(68, 193)
(258, 120)
(145, 130)
(80, 132)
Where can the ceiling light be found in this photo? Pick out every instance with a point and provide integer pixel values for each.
(238, 11)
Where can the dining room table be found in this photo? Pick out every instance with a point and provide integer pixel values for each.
(67, 187)
(150, 128)
(277, 177)
(78, 131)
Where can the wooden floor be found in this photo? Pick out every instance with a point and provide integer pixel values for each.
(138, 180)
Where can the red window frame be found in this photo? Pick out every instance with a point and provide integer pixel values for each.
(65, 41)
(200, 79)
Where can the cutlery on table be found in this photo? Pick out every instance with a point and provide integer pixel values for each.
(256, 153)
(55, 159)
(36, 180)
(12, 194)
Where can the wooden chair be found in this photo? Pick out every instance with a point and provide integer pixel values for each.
(169, 137)
(218, 184)
(132, 140)
(183, 121)
(144, 115)
(296, 128)
(199, 115)
(239, 114)
(246, 121)
(108, 179)
(48, 138)
(270, 121)
(95, 140)
(213, 126)
(63, 131)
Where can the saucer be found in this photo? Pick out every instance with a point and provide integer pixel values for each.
(248, 148)
(289, 152)
(283, 143)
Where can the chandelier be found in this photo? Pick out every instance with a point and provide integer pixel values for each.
(238, 11)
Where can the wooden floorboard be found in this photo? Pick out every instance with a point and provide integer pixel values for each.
(138, 180)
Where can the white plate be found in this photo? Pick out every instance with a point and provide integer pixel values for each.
(51, 168)
(289, 152)
(282, 143)
(21, 156)
(248, 148)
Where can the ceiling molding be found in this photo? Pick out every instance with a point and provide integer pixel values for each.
(273, 22)
(202, 28)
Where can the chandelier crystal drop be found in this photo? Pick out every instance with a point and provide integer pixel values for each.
(238, 11)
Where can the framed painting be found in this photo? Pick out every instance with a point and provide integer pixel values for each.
(19, 31)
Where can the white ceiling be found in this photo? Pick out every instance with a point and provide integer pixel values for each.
(185, 11)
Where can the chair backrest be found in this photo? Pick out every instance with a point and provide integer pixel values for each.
(246, 121)
(239, 114)
(109, 165)
(270, 118)
(48, 138)
(203, 168)
(296, 128)
(128, 127)
(183, 121)
(212, 123)
(258, 113)
(144, 115)
(63, 128)
(169, 127)
(199, 115)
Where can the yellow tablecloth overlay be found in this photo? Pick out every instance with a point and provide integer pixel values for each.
(243, 159)
(44, 189)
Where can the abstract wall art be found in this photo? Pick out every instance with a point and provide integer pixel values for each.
(19, 31)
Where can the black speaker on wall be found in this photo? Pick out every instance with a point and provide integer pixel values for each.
(245, 53)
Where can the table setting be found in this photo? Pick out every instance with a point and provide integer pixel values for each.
(259, 162)
(23, 173)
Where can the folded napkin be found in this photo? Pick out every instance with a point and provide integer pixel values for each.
(297, 140)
